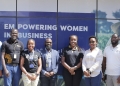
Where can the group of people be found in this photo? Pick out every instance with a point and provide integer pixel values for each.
(43, 65)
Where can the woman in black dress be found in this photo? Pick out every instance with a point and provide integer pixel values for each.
(72, 62)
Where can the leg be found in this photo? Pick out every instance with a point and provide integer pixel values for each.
(53, 81)
(87, 81)
(26, 80)
(68, 78)
(44, 81)
(8, 80)
(77, 78)
(114, 79)
(35, 82)
(96, 81)
(16, 75)
(109, 81)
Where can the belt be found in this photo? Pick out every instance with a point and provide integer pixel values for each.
(13, 64)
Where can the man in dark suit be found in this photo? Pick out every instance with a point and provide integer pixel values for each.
(50, 60)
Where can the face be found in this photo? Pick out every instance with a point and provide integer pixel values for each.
(14, 34)
(114, 39)
(31, 45)
(92, 43)
(48, 44)
(73, 41)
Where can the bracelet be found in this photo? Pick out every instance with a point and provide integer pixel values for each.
(88, 70)
(36, 74)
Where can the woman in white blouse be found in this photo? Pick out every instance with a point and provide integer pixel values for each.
(91, 64)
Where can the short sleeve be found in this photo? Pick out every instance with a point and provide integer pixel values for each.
(64, 52)
(39, 55)
(23, 54)
(81, 55)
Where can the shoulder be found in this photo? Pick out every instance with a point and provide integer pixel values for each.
(37, 53)
(54, 50)
(20, 42)
(25, 51)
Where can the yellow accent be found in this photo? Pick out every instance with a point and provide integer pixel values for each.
(8, 57)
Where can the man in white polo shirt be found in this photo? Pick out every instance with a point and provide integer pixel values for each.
(111, 62)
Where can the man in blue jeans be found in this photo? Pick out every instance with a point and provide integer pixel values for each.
(11, 50)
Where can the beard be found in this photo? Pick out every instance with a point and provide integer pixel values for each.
(114, 43)
(48, 47)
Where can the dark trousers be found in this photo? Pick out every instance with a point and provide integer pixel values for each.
(45, 81)
(72, 80)
(93, 81)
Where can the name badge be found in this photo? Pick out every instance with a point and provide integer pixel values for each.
(31, 65)
(46, 64)
(15, 56)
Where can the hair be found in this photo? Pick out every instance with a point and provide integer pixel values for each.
(115, 34)
(13, 30)
(76, 44)
(93, 37)
(73, 35)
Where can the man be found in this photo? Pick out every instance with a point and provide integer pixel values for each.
(111, 62)
(0, 61)
(116, 29)
(11, 50)
(50, 59)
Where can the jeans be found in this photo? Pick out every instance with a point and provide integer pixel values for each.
(14, 76)
(93, 81)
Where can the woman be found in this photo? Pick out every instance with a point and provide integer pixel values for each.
(72, 62)
(91, 64)
(30, 65)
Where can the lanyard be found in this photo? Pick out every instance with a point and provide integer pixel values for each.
(31, 55)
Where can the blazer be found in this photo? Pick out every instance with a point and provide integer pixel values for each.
(55, 61)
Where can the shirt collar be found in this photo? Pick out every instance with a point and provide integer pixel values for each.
(75, 48)
(115, 46)
(47, 50)
(93, 49)
(16, 41)
(31, 51)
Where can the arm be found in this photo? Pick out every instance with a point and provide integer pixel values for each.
(21, 65)
(0, 65)
(80, 62)
(57, 63)
(64, 63)
(39, 66)
(4, 65)
(86, 73)
(98, 62)
(104, 65)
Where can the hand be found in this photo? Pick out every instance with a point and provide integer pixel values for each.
(34, 76)
(71, 70)
(29, 76)
(47, 74)
(51, 73)
(7, 73)
(118, 79)
(0, 73)
(86, 73)
(104, 78)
